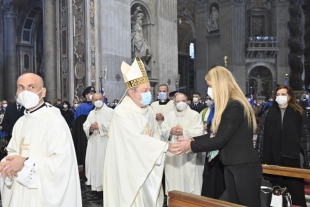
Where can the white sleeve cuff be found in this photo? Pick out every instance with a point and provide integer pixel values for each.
(159, 160)
(27, 176)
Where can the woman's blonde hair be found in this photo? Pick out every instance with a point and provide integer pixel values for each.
(225, 88)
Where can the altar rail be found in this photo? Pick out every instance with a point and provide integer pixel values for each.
(181, 199)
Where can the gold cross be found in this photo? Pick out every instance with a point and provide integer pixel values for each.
(23, 146)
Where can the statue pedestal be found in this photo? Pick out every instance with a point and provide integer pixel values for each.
(260, 97)
(298, 94)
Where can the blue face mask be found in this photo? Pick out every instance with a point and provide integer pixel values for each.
(162, 95)
(146, 98)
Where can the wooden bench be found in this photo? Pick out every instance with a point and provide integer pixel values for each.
(181, 199)
(286, 171)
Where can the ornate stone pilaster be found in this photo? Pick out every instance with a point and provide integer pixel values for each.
(92, 36)
(306, 9)
(295, 46)
(49, 49)
(10, 61)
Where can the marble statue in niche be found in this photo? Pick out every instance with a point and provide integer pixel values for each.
(258, 86)
(139, 45)
(212, 22)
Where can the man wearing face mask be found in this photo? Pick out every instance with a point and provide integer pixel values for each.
(13, 113)
(196, 105)
(183, 173)
(163, 105)
(41, 155)
(75, 105)
(4, 105)
(96, 129)
(115, 103)
(135, 154)
(305, 102)
(79, 137)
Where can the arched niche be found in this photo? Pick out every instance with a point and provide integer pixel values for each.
(30, 38)
(146, 28)
(214, 4)
(266, 73)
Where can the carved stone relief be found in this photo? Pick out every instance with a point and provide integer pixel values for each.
(92, 42)
(63, 12)
(79, 48)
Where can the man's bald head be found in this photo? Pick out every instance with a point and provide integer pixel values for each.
(33, 77)
(180, 97)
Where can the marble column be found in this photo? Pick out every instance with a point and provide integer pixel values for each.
(10, 60)
(306, 10)
(1, 56)
(295, 45)
(50, 49)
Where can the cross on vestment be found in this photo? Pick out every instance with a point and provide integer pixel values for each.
(23, 146)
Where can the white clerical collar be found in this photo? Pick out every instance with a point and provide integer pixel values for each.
(36, 108)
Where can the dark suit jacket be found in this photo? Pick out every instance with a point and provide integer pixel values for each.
(199, 107)
(10, 117)
(234, 138)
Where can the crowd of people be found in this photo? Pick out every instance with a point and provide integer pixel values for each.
(134, 151)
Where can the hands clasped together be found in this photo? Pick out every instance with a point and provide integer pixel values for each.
(12, 165)
(182, 145)
(94, 126)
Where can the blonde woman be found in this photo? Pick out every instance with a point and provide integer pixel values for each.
(233, 125)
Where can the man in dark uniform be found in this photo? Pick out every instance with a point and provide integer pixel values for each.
(79, 137)
(305, 102)
(12, 114)
(196, 105)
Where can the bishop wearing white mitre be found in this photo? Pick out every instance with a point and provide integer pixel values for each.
(135, 154)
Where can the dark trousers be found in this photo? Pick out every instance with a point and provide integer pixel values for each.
(213, 184)
(295, 186)
(243, 183)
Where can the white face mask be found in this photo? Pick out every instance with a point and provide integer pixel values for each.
(91, 97)
(181, 105)
(65, 106)
(98, 104)
(281, 100)
(195, 99)
(5, 105)
(76, 105)
(210, 93)
(307, 96)
(28, 99)
(209, 103)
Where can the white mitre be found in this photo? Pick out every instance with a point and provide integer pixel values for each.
(135, 74)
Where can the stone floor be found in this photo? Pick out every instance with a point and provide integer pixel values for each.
(89, 198)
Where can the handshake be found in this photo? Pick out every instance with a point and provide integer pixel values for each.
(182, 145)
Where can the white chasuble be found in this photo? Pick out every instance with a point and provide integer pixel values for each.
(96, 146)
(184, 173)
(134, 161)
(163, 109)
(45, 138)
